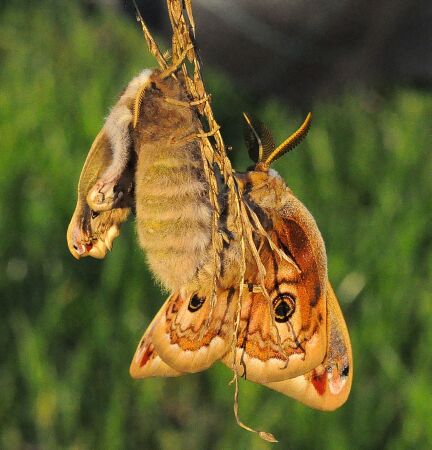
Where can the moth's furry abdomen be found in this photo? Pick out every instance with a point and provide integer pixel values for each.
(172, 204)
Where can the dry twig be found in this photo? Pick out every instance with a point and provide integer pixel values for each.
(245, 223)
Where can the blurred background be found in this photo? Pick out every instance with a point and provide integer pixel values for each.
(69, 328)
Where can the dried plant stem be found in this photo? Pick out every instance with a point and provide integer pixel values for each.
(185, 60)
(266, 436)
(260, 229)
(151, 43)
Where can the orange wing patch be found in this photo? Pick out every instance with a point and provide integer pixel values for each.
(283, 335)
(190, 336)
(327, 387)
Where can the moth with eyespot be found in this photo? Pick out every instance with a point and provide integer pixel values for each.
(324, 387)
(267, 351)
(242, 257)
(320, 377)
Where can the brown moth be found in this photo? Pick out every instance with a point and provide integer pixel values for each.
(282, 330)
(291, 335)
(173, 212)
(106, 184)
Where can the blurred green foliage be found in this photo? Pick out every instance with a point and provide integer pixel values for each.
(69, 328)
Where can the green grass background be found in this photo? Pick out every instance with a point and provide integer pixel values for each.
(69, 328)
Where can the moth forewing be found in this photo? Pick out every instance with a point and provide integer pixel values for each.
(282, 332)
(98, 157)
(110, 158)
(268, 350)
(327, 387)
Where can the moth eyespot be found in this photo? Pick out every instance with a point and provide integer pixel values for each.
(195, 303)
(94, 214)
(284, 307)
(345, 371)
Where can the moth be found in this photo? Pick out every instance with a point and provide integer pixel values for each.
(284, 330)
(296, 341)
(106, 182)
(148, 147)
(91, 233)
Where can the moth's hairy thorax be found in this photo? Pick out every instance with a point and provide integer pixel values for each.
(172, 205)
